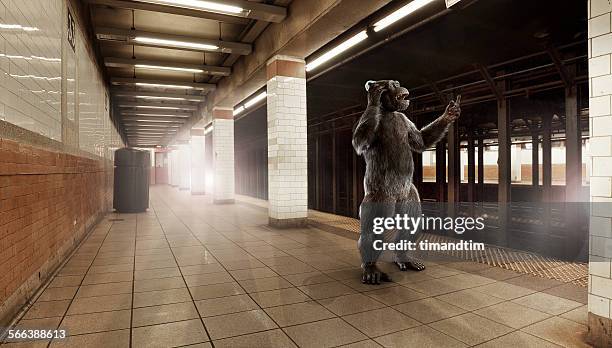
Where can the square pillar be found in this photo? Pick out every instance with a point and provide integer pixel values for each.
(287, 142)
(600, 120)
(223, 155)
(198, 172)
(176, 173)
(184, 165)
(170, 169)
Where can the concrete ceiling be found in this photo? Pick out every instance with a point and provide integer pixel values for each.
(483, 33)
(135, 38)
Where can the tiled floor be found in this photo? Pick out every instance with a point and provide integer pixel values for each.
(189, 273)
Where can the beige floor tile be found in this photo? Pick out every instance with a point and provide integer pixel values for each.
(325, 333)
(561, 331)
(65, 281)
(243, 264)
(512, 314)
(395, 295)
(298, 313)
(569, 291)
(466, 280)
(85, 305)
(350, 304)
(253, 273)
(535, 283)
(47, 309)
(104, 289)
(157, 273)
(362, 344)
(208, 279)
(96, 322)
(41, 323)
(579, 315)
(108, 278)
(504, 290)
(325, 290)
(264, 284)
(517, 339)
(26, 344)
(116, 339)
(55, 294)
(155, 264)
(269, 339)
(159, 284)
(429, 310)
(421, 336)
(164, 314)
(169, 335)
(471, 329)
(160, 297)
(547, 303)
(380, 321)
(111, 268)
(469, 299)
(216, 290)
(225, 305)
(202, 269)
(433, 287)
(235, 324)
(279, 297)
(308, 278)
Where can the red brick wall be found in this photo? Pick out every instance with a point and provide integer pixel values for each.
(48, 200)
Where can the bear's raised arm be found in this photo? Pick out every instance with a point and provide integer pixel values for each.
(365, 132)
(429, 135)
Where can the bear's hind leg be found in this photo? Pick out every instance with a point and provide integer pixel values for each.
(411, 206)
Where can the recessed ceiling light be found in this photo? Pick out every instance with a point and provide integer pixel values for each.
(201, 5)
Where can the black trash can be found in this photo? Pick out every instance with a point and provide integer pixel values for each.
(131, 187)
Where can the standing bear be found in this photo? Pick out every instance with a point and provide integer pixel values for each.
(386, 139)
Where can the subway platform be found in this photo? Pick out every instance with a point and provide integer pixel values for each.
(188, 273)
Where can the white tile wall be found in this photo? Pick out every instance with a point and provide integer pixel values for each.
(31, 76)
(198, 184)
(223, 159)
(600, 227)
(30, 64)
(184, 166)
(287, 148)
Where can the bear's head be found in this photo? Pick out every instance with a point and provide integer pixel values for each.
(394, 96)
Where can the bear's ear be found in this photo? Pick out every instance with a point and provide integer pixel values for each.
(369, 84)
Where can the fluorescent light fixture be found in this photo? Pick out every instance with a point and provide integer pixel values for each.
(156, 121)
(357, 38)
(159, 98)
(200, 5)
(17, 27)
(255, 100)
(399, 14)
(161, 85)
(171, 68)
(175, 43)
(155, 115)
(238, 110)
(152, 107)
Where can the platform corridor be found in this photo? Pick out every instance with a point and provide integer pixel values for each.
(190, 273)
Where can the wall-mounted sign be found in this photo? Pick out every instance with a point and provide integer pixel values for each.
(450, 3)
(70, 31)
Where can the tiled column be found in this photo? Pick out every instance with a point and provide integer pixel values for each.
(600, 229)
(287, 148)
(223, 155)
(184, 167)
(175, 168)
(170, 173)
(198, 174)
